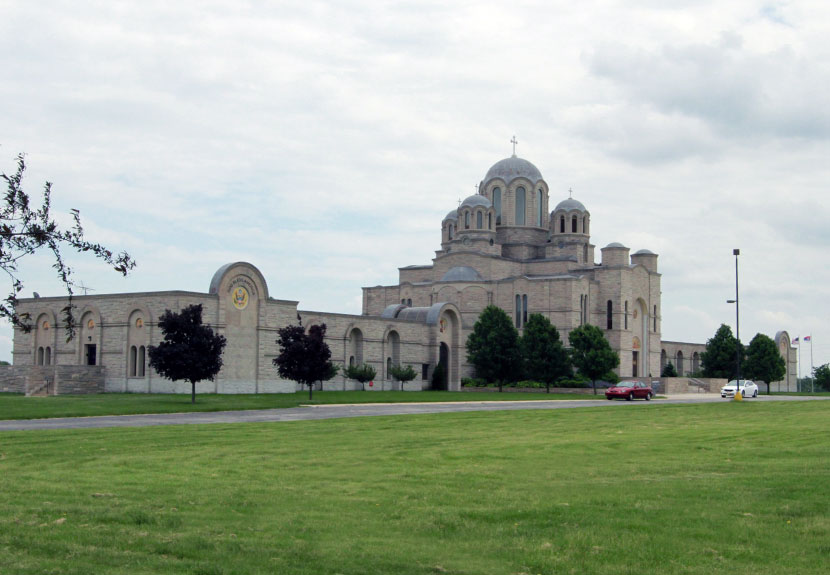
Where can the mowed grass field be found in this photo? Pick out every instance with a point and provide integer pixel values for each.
(17, 406)
(733, 487)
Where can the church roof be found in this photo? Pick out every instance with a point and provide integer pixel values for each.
(476, 200)
(615, 245)
(644, 253)
(570, 205)
(511, 168)
(462, 274)
(453, 215)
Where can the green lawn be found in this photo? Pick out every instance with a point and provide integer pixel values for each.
(731, 488)
(15, 406)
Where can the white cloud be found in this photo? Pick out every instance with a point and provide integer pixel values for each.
(324, 140)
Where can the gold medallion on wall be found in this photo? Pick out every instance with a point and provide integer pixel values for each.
(240, 298)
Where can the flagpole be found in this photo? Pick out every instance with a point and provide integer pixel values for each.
(798, 379)
(812, 377)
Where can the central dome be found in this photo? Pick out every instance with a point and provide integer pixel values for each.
(511, 168)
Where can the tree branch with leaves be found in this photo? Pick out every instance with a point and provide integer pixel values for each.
(27, 229)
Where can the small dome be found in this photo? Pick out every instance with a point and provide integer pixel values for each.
(462, 274)
(570, 205)
(453, 215)
(644, 253)
(615, 245)
(511, 168)
(476, 200)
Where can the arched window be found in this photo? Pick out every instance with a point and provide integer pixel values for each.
(479, 220)
(489, 221)
(409, 302)
(451, 230)
(609, 321)
(388, 368)
(524, 309)
(585, 224)
(655, 318)
(626, 315)
(140, 361)
(518, 311)
(132, 361)
(466, 220)
(664, 359)
(497, 204)
(520, 206)
(47, 357)
(539, 208)
(695, 362)
(585, 253)
(40, 354)
(561, 224)
(573, 225)
(679, 365)
(355, 347)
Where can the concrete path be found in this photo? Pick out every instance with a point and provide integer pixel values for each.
(350, 410)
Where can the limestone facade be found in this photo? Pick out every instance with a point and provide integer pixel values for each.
(501, 246)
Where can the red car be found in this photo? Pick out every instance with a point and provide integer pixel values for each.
(630, 390)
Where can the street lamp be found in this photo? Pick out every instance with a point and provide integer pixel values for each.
(736, 252)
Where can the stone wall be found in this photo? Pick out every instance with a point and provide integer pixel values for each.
(62, 379)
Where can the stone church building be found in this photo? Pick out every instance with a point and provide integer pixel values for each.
(504, 245)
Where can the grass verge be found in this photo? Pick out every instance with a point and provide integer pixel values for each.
(733, 487)
(16, 406)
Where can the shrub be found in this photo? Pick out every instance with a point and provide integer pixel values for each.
(473, 382)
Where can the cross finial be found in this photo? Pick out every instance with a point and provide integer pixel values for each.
(475, 187)
(514, 141)
(459, 202)
(570, 193)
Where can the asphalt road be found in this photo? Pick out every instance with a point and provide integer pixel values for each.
(351, 410)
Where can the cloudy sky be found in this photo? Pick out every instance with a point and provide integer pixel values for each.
(325, 141)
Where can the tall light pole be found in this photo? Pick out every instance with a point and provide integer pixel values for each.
(736, 252)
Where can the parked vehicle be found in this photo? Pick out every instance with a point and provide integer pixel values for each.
(629, 390)
(747, 386)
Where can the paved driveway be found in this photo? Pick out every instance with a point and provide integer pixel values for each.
(351, 410)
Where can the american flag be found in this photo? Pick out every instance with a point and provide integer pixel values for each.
(795, 341)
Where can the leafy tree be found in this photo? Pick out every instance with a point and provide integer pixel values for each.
(821, 377)
(544, 358)
(304, 357)
(591, 353)
(763, 362)
(719, 358)
(439, 377)
(361, 373)
(403, 374)
(190, 350)
(493, 347)
(26, 229)
(669, 370)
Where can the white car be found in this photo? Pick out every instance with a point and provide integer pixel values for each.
(748, 388)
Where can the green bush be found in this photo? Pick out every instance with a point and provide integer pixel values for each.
(611, 377)
(403, 374)
(575, 381)
(530, 384)
(361, 373)
(473, 382)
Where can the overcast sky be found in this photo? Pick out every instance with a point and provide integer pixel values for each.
(324, 142)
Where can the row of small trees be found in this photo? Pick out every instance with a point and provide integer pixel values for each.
(192, 352)
(500, 355)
